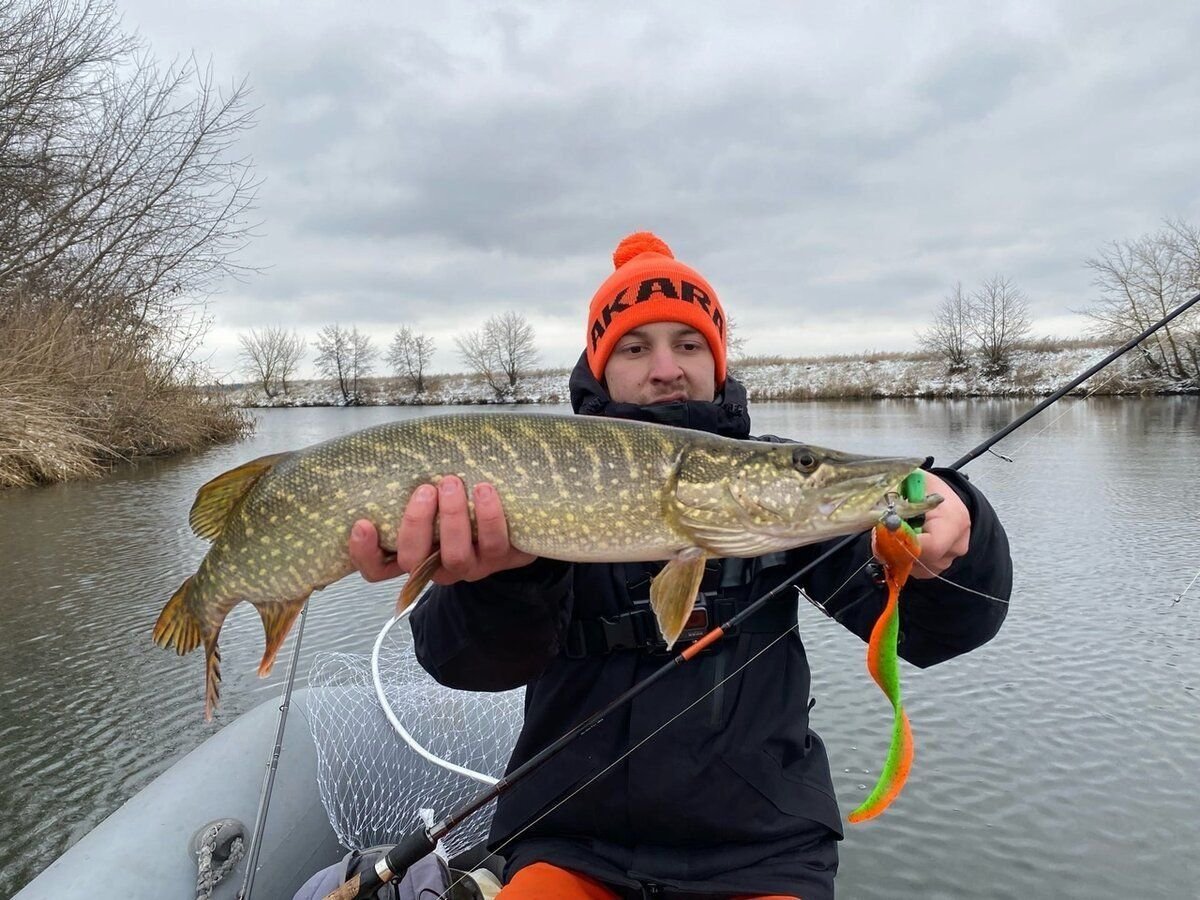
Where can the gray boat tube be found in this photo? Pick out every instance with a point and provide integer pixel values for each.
(143, 850)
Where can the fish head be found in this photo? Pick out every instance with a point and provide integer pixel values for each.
(779, 496)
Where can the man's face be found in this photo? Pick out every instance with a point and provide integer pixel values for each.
(661, 363)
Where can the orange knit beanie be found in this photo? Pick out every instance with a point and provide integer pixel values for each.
(650, 285)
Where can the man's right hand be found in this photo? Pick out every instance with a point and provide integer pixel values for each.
(463, 559)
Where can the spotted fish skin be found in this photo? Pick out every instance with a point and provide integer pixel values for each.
(574, 488)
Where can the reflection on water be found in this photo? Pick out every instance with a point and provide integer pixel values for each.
(1057, 761)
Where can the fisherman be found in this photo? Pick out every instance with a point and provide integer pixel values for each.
(734, 798)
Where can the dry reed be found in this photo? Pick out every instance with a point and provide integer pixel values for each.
(74, 400)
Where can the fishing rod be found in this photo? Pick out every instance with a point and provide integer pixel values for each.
(421, 841)
(264, 797)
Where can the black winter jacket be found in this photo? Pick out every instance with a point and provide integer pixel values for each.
(735, 796)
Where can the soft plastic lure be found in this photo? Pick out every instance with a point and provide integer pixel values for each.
(897, 545)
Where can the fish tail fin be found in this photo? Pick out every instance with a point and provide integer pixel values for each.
(212, 675)
(277, 618)
(177, 625)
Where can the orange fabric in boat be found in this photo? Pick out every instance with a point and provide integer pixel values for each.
(542, 881)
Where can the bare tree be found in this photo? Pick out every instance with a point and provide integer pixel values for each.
(501, 352)
(119, 191)
(999, 320)
(947, 336)
(271, 356)
(122, 201)
(1142, 280)
(410, 355)
(735, 342)
(347, 357)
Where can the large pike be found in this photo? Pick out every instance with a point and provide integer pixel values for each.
(574, 488)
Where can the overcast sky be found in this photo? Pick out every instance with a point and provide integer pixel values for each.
(832, 168)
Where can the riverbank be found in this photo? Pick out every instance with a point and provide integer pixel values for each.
(1037, 371)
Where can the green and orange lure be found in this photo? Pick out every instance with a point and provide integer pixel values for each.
(897, 546)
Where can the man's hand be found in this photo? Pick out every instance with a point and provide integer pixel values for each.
(946, 533)
(463, 559)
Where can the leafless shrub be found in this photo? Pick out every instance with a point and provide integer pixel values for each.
(347, 357)
(120, 187)
(270, 357)
(410, 355)
(998, 319)
(947, 336)
(501, 352)
(735, 341)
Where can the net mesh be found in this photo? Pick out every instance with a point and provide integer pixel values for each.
(373, 783)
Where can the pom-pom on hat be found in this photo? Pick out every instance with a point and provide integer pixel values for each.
(651, 285)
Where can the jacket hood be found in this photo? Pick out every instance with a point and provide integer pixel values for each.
(727, 415)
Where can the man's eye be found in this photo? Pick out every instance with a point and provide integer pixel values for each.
(633, 349)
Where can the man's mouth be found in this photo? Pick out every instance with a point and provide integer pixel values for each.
(677, 397)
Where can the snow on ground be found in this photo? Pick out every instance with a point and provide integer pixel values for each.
(1034, 373)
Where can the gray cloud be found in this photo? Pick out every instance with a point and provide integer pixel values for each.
(828, 165)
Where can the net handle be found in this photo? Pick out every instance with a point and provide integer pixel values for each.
(381, 695)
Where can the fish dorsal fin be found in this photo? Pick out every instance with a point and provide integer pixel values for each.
(217, 499)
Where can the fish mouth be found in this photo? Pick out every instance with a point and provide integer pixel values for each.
(865, 489)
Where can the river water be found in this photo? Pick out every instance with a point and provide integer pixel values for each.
(1059, 760)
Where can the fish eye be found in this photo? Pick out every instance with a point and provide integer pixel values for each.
(803, 459)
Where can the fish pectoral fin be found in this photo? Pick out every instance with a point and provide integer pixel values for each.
(729, 541)
(673, 592)
(418, 578)
(732, 536)
(277, 618)
(218, 498)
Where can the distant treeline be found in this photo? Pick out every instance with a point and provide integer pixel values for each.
(976, 334)
(1038, 367)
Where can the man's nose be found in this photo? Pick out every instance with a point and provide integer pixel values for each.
(664, 366)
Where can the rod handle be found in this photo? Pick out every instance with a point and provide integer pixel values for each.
(415, 845)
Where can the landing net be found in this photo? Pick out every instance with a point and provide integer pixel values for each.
(394, 746)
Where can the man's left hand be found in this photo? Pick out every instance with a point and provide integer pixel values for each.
(946, 533)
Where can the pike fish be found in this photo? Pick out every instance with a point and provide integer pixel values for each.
(574, 488)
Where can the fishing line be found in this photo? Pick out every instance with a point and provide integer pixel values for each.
(952, 583)
(624, 756)
(1066, 412)
(1188, 588)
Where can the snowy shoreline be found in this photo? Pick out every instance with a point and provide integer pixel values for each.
(1035, 372)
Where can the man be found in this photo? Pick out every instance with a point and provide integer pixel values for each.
(734, 797)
